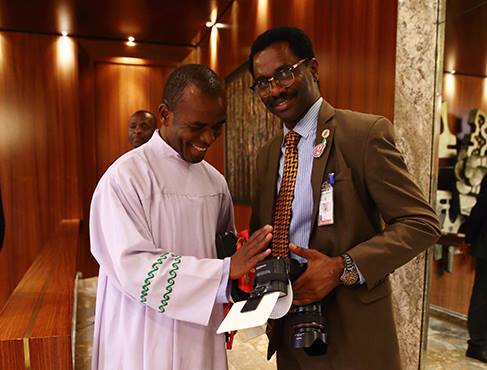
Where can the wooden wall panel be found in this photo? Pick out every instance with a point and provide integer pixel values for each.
(354, 43)
(452, 290)
(86, 263)
(39, 145)
(120, 91)
(463, 93)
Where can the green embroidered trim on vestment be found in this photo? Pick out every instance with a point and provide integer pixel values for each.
(170, 282)
(150, 276)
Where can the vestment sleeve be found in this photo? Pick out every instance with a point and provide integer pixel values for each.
(412, 225)
(181, 287)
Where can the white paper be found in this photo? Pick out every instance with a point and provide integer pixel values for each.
(236, 320)
(283, 304)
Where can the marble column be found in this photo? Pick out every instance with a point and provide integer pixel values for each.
(419, 55)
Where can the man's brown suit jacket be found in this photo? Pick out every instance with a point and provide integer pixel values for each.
(381, 220)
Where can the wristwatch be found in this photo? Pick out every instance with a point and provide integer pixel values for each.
(349, 275)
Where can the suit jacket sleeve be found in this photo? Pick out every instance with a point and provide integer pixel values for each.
(412, 225)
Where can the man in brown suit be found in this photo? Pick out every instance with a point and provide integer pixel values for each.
(380, 219)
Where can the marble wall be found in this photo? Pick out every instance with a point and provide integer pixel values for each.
(418, 62)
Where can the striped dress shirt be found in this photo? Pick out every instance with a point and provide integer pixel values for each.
(302, 208)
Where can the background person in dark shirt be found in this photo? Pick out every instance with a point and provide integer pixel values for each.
(476, 237)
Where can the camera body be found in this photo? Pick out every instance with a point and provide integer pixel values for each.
(307, 322)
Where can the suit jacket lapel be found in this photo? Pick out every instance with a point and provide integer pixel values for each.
(319, 164)
(270, 179)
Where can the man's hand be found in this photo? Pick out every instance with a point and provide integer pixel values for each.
(320, 277)
(253, 251)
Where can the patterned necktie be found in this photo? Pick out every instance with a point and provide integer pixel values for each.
(282, 212)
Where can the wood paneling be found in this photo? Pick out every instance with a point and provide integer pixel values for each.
(153, 54)
(463, 93)
(120, 91)
(86, 262)
(466, 37)
(354, 42)
(39, 146)
(452, 290)
(170, 22)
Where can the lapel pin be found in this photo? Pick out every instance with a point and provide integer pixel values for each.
(320, 148)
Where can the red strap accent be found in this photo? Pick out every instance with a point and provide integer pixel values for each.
(246, 282)
(228, 336)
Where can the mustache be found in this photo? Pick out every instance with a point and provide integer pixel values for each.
(277, 99)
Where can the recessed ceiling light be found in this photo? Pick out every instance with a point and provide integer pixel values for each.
(131, 41)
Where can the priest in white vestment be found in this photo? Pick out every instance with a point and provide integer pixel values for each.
(154, 217)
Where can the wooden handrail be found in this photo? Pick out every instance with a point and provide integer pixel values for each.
(36, 321)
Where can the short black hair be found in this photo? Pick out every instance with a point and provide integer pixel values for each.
(298, 41)
(145, 112)
(198, 75)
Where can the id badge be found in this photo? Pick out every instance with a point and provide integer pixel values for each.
(326, 203)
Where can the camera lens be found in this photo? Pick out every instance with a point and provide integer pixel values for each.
(308, 329)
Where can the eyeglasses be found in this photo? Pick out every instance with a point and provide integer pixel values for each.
(283, 77)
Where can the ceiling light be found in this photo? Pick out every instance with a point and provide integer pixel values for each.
(209, 24)
(131, 41)
(453, 71)
(64, 33)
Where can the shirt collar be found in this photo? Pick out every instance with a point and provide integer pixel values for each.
(307, 124)
(156, 141)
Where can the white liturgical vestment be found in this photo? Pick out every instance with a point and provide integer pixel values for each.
(153, 223)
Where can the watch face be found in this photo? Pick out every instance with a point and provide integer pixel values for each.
(349, 278)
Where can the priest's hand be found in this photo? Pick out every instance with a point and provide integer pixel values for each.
(320, 277)
(253, 251)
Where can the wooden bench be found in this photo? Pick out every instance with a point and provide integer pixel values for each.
(36, 322)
